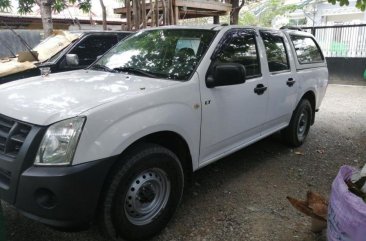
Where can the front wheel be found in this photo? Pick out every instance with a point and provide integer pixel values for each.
(142, 193)
(298, 129)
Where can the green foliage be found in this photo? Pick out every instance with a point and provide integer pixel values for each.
(248, 18)
(267, 12)
(25, 6)
(58, 5)
(85, 5)
(360, 4)
(5, 5)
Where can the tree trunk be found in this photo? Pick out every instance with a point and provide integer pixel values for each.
(234, 15)
(46, 15)
(104, 15)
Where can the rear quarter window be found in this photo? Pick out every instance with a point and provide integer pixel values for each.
(307, 51)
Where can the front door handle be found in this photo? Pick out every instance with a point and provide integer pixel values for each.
(260, 89)
(290, 82)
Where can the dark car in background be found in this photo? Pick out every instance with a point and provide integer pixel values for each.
(63, 51)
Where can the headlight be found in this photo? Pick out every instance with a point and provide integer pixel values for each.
(59, 143)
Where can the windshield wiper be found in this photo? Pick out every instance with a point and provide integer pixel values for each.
(135, 71)
(102, 67)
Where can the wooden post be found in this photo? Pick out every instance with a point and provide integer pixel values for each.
(143, 9)
(216, 19)
(128, 14)
(167, 12)
(138, 14)
(135, 15)
(152, 7)
(176, 15)
(164, 12)
(148, 15)
(161, 18)
(171, 10)
(157, 12)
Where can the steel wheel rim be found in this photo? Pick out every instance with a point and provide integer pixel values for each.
(302, 125)
(147, 196)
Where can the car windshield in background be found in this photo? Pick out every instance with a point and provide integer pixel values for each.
(161, 53)
(54, 44)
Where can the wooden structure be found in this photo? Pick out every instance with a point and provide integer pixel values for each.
(143, 13)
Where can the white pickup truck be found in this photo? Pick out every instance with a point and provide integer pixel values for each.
(115, 142)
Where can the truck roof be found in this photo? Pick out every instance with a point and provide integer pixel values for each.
(97, 31)
(218, 27)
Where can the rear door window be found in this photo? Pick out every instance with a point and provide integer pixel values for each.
(276, 52)
(307, 51)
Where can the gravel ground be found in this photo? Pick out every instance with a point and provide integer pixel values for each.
(243, 196)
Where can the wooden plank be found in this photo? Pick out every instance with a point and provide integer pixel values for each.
(218, 6)
(201, 15)
(124, 10)
(209, 5)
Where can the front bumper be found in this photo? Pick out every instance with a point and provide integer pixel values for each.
(62, 196)
(58, 196)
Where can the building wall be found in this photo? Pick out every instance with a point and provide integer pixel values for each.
(320, 13)
(9, 39)
(329, 14)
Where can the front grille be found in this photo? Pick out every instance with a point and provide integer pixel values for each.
(12, 135)
(19, 142)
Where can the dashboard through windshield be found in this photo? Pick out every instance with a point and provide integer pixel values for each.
(161, 53)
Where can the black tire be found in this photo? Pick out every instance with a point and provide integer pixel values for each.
(296, 132)
(120, 206)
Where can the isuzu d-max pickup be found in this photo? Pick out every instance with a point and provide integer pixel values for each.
(115, 142)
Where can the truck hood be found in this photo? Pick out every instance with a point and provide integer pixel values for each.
(45, 100)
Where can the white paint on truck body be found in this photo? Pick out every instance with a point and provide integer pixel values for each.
(121, 108)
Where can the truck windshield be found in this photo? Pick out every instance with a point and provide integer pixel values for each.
(160, 53)
(55, 44)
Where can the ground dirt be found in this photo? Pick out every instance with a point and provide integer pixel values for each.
(243, 196)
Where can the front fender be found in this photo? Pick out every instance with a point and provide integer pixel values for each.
(108, 132)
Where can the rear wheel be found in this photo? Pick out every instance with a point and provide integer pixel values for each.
(298, 129)
(142, 193)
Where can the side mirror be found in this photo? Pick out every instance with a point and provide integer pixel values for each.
(226, 74)
(72, 59)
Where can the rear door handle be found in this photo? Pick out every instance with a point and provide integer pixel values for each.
(260, 89)
(290, 82)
